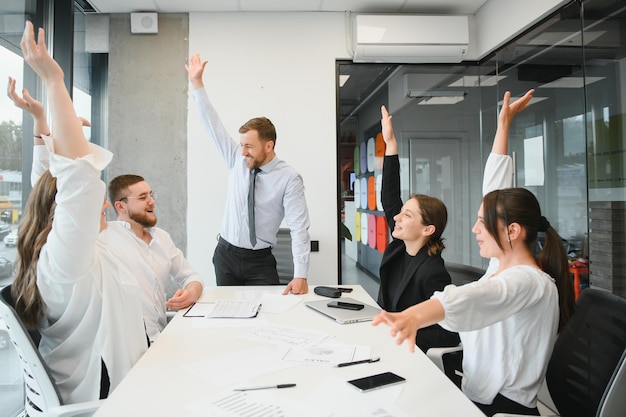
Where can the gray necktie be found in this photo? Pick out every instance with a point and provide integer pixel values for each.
(251, 225)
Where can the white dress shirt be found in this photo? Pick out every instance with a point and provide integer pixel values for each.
(93, 303)
(152, 265)
(279, 194)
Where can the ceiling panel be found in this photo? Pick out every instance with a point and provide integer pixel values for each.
(359, 6)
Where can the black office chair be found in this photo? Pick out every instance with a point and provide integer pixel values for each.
(587, 354)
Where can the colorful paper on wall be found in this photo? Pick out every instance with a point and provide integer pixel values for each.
(382, 233)
(371, 230)
(363, 193)
(357, 193)
(379, 187)
(363, 157)
(380, 150)
(371, 193)
(364, 225)
(371, 154)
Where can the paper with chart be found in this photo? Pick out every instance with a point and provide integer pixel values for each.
(251, 404)
(329, 354)
(286, 336)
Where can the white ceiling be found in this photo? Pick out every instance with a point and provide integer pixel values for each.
(468, 7)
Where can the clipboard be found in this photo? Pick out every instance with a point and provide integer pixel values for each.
(224, 309)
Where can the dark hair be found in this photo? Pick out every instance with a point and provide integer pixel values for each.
(434, 213)
(32, 235)
(263, 125)
(518, 205)
(119, 185)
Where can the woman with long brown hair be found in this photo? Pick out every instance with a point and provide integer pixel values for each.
(78, 295)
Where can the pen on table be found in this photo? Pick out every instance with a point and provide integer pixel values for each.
(266, 387)
(370, 360)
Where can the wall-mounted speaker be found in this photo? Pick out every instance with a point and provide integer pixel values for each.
(144, 23)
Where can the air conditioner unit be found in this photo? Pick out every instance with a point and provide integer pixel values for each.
(410, 38)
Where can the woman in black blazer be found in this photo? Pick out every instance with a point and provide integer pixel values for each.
(412, 268)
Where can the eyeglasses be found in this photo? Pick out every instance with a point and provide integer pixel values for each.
(143, 197)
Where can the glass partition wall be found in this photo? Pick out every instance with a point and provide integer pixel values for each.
(568, 146)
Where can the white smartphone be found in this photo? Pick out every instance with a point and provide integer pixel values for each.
(369, 383)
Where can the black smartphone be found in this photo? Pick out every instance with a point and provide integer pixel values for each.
(345, 289)
(369, 383)
(346, 306)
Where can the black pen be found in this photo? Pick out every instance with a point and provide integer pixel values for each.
(370, 360)
(266, 387)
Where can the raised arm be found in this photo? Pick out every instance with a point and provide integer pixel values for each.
(507, 113)
(499, 167)
(390, 191)
(71, 141)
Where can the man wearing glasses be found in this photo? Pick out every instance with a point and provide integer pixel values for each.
(149, 251)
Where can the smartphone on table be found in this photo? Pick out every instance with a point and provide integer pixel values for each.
(372, 382)
(345, 305)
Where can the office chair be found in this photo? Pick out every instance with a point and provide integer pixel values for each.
(613, 402)
(42, 396)
(587, 353)
(586, 374)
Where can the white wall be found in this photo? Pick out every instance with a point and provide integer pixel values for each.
(282, 65)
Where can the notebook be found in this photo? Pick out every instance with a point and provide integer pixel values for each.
(342, 316)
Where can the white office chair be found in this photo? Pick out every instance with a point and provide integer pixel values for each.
(42, 396)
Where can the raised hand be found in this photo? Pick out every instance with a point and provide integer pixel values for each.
(37, 57)
(509, 110)
(403, 326)
(26, 102)
(387, 131)
(195, 69)
(507, 113)
(69, 138)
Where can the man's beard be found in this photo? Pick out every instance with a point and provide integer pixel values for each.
(143, 219)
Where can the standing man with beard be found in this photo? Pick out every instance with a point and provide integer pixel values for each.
(262, 191)
(149, 252)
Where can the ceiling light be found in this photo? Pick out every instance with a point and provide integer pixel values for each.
(435, 93)
(477, 81)
(428, 101)
(571, 82)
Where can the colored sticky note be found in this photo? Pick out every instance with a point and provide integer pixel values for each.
(380, 150)
(371, 231)
(371, 193)
(364, 224)
(371, 154)
(363, 157)
(363, 193)
(379, 187)
(382, 233)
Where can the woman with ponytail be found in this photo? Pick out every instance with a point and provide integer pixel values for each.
(509, 319)
(412, 268)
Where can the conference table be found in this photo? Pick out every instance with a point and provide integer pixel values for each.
(197, 363)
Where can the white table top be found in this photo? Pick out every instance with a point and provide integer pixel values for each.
(192, 369)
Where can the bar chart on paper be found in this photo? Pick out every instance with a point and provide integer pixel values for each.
(242, 404)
